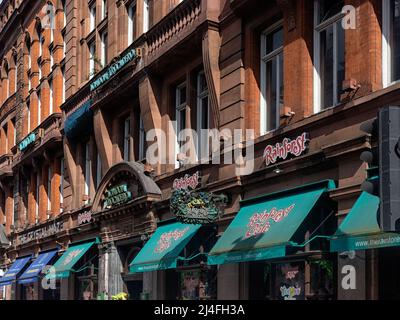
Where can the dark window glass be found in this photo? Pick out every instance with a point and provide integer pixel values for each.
(395, 41)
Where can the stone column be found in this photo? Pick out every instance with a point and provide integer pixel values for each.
(110, 267)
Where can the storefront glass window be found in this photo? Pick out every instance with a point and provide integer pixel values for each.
(322, 279)
(198, 284)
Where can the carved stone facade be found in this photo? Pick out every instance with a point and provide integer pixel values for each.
(98, 185)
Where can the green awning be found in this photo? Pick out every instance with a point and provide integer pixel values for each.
(164, 247)
(64, 265)
(264, 226)
(360, 229)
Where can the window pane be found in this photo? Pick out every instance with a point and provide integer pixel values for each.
(281, 86)
(202, 83)
(274, 40)
(326, 71)
(182, 120)
(329, 8)
(395, 41)
(204, 113)
(182, 95)
(271, 94)
(340, 48)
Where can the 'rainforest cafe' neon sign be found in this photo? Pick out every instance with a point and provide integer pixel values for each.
(288, 147)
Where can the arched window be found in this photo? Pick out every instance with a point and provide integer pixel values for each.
(15, 61)
(28, 50)
(6, 71)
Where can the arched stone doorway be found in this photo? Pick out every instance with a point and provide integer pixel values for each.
(123, 206)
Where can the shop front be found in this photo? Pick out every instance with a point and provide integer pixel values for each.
(75, 273)
(280, 243)
(365, 252)
(30, 281)
(180, 252)
(9, 279)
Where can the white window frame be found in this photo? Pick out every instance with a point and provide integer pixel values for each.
(88, 166)
(63, 84)
(263, 77)
(39, 107)
(127, 136)
(64, 7)
(103, 9)
(318, 28)
(40, 43)
(104, 48)
(28, 115)
(131, 20)
(179, 106)
(51, 97)
(92, 17)
(201, 95)
(92, 54)
(386, 46)
(146, 15)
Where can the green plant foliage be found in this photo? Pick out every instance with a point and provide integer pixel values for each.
(120, 296)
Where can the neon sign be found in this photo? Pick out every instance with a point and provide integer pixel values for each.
(288, 147)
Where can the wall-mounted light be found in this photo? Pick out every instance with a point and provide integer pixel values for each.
(277, 170)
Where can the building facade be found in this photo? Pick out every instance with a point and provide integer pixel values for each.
(86, 88)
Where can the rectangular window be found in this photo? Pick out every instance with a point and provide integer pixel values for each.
(131, 23)
(40, 43)
(14, 213)
(92, 56)
(99, 174)
(329, 53)
(127, 136)
(92, 10)
(180, 106)
(39, 108)
(62, 174)
(28, 115)
(104, 45)
(146, 15)
(64, 7)
(391, 41)
(51, 96)
(203, 110)
(87, 173)
(14, 131)
(49, 177)
(37, 197)
(142, 140)
(5, 128)
(104, 9)
(64, 44)
(272, 85)
(63, 84)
